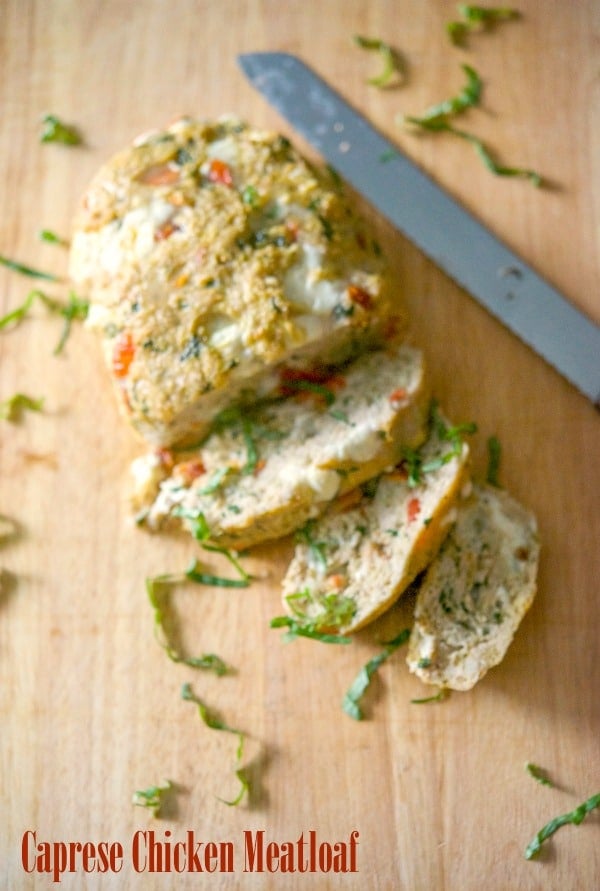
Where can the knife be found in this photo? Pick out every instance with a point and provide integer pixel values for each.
(446, 232)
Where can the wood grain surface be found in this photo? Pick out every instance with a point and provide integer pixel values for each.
(90, 707)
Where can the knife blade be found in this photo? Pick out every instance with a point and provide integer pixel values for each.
(440, 227)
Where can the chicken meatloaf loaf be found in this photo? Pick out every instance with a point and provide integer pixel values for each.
(263, 473)
(475, 592)
(211, 253)
(353, 564)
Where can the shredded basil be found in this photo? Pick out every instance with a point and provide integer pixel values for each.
(490, 163)
(393, 65)
(320, 390)
(469, 96)
(153, 797)
(317, 549)
(250, 196)
(235, 418)
(210, 719)
(333, 611)
(575, 817)
(54, 130)
(156, 589)
(214, 723)
(197, 522)
(483, 152)
(201, 532)
(216, 481)
(74, 309)
(27, 270)
(51, 237)
(303, 629)
(436, 119)
(477, 16)
(244, 788)
(412, 459)
(339, 415)
(413, 462)
(231, 557)
(539, 774)
(11, 409)
(452, 434)
(350, 702)
(439, 697)
(195, 574)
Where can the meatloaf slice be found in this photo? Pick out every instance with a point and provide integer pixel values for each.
(353, 564)
(265, 472)
(475, 592)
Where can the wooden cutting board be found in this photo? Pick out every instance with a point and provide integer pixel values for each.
(90, 705)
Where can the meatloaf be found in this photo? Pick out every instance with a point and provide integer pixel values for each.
(211, 253)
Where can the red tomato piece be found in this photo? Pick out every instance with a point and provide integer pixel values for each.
(220, 172)
(165, 231)
(413, 509)
(360, 296)
(123, 353)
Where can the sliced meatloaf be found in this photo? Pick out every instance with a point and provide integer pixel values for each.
(475, 592)
(264, 472)
(353, 564)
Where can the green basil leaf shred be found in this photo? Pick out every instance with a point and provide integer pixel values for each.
(152, 797)
(439, 697)
(468, 97)
(195, 574)
(29, 271)
(51, 237)
(298, 629)
(216, 481)
(574, 817)
(214, 723)
(334, 611)
(75, 309)
(312, 387)
(391, 61)
(317, 549)
(538, 774)
(351, 700)
(156, 590)
(476, 17)
(12, 408)
(244, 789)
(55, 130)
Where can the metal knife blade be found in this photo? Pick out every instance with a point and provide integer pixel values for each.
(431, 219)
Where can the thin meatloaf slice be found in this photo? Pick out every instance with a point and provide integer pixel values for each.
(475, 592)
(211, 253)
(264, 473)
(350, 566)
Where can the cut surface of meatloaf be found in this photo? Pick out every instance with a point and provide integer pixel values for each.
(353, 564)
(212, 253)
(475, 592)
(264, 473)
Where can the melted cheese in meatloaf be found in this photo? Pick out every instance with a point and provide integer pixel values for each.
(211, 253)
